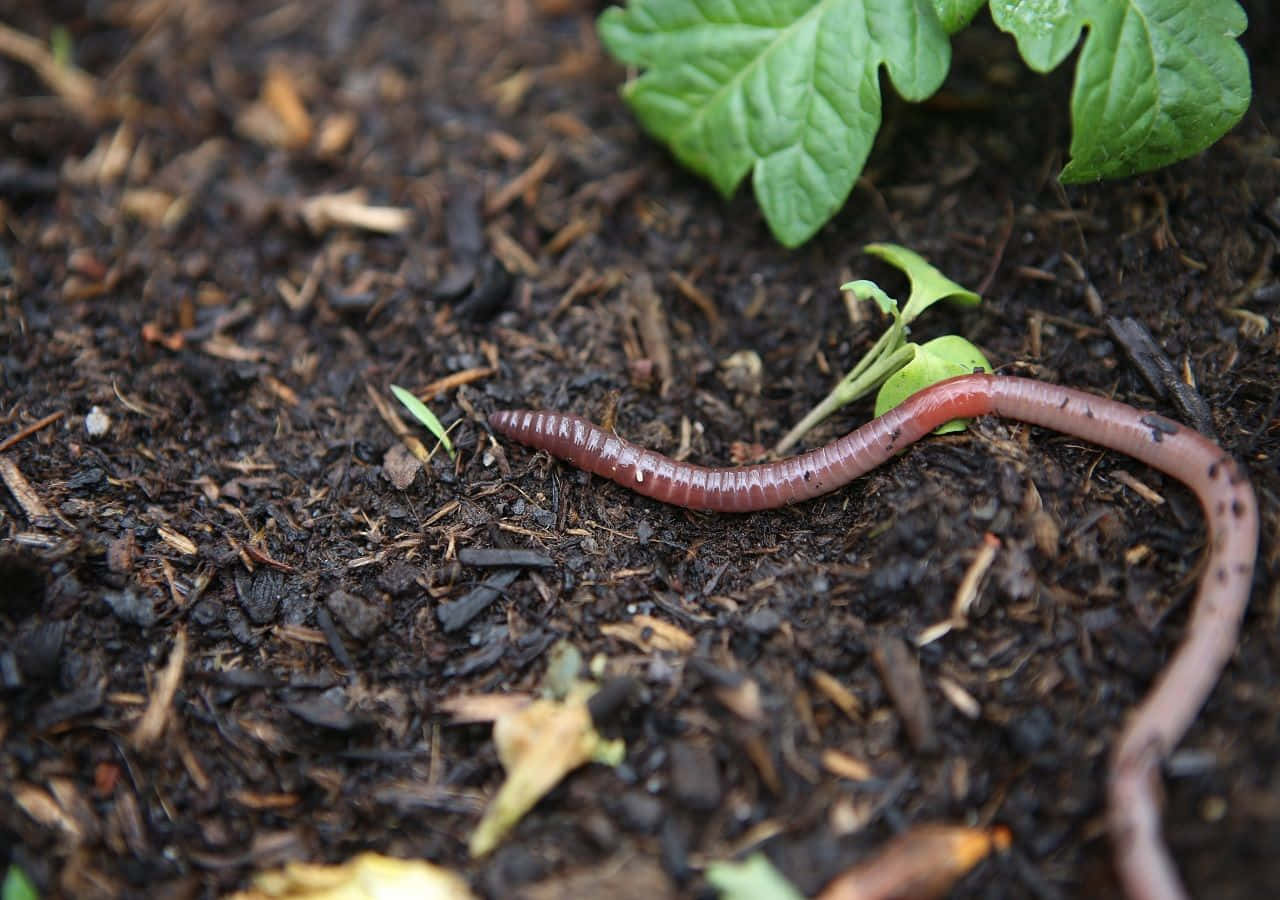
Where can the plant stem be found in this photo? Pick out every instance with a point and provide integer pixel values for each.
(862, 379)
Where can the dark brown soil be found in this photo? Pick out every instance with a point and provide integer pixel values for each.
(243, 494)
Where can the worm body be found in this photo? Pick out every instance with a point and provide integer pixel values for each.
(1217, 481)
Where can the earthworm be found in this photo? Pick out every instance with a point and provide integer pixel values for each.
(1220, 484)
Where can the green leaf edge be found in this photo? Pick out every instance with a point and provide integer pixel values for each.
(934, 361)
(928, 285)
(755, 878)
(17, 885)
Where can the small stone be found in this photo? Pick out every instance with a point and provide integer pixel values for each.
(639, 812)
(1032, 732)
(361, 619)
(400, 466)
(695, 776)
(131, 606)
(261, 600)
(763, 621)
(97, 423)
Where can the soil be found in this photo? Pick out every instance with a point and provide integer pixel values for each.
(228, 478)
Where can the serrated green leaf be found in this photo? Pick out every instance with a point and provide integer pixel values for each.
(425, 416)
(753, 879)
(928, 285)
(934, 361)
(1157, 80)
(789, 88)
(956, 14)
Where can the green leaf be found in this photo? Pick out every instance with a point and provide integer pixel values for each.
(17, 886)
(928, 285)
(937, 360)
(956, 14)
(1157, 80)
(869, 290)
(790, 88)
(425, 416)
(753, 879)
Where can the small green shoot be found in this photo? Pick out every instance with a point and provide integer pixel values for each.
(425, 416)
(898, 367)
(789, 91)
(753, 879)
(61, 46)
(17, 886)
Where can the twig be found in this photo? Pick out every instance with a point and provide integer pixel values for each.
(31, 429)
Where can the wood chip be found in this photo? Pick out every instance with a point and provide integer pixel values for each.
(280, 94)
(570, 234)
(758, 752)
(831, 688)
(177, 540)
(923, 862)
(37, 803)
(350, 209)
(456, 380)
(470, 709)
(75, 87)
(743, 699)
(959, 698)
(966, 593)
(336, 132)
(698, 298)
(253, 800)
(32, 506)
(651, 323)
(900, 671)
(155, 207)
(278, 117)
(842, 765)
(651, 634)
(23, 433)
(525, 181)
(152, 724)
(512, 256)
(1151, 495)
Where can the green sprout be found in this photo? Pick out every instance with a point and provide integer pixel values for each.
(897, 367)
(425, 416)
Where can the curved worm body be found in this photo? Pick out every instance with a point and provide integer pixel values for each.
(1219, 483)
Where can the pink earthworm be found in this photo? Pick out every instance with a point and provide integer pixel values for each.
(1165, 714)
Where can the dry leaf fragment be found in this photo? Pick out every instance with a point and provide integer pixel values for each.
(153, 722)
(471, 708)
(843, 765)
(349, 209)
(154, 207)
(538, 745)
(922, 863)
(651, 634)
(278, 117)
(367, 876)
(743, 699)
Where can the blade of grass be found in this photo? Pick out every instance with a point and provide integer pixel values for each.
(424, 415)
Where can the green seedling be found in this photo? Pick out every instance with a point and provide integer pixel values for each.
(896, 366)
(424, 415)
(791, 89)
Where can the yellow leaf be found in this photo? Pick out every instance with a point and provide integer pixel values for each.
(368, 876)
